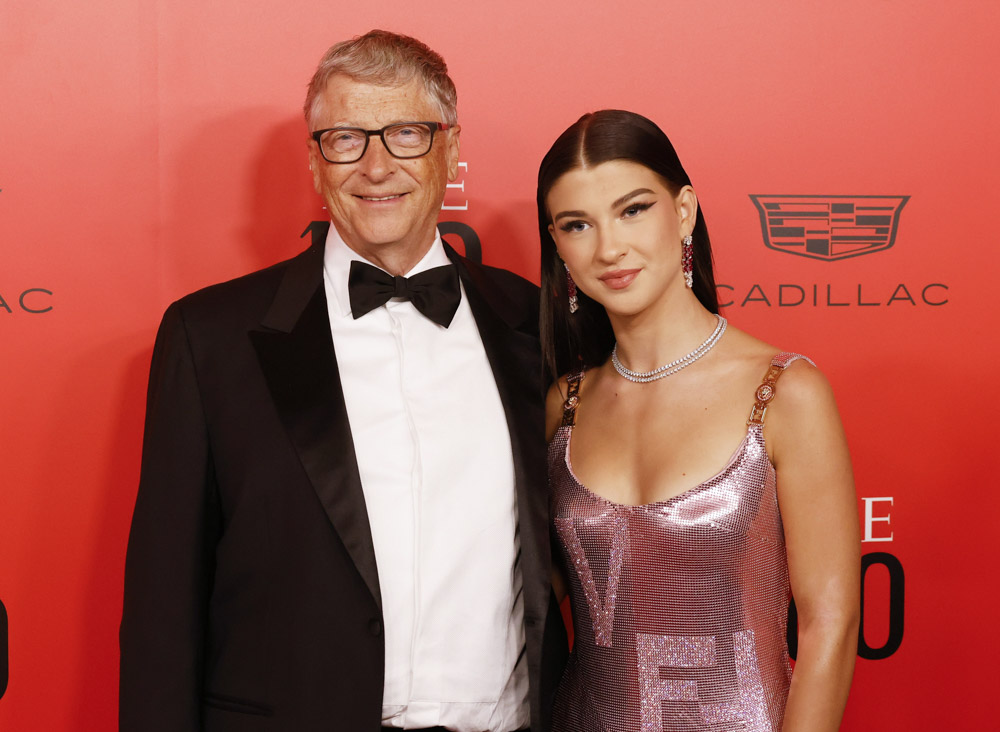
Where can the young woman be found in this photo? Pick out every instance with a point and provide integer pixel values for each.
(700, 476)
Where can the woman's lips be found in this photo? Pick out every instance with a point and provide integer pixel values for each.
(619, 279)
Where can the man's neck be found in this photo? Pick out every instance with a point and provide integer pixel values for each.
(398, 258)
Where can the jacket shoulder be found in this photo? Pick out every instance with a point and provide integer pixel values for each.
(243, 301)
(508, 293)
(514, 283)
(242, 290)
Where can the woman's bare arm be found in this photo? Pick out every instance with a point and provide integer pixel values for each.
(819, 513)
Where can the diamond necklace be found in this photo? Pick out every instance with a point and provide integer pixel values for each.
(644, 377)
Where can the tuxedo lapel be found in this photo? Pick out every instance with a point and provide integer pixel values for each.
(515, 359)
(295, 350)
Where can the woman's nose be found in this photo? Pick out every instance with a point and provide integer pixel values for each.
(610, 247)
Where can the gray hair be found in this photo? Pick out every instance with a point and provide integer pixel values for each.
(386, 59)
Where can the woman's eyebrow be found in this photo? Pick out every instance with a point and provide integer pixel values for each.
(564, 214)
(638, 191)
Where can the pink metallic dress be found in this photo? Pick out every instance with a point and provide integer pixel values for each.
(679, 606)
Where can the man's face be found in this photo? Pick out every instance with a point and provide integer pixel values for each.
(383, 207)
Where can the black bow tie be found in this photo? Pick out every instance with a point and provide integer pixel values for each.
(434, 292)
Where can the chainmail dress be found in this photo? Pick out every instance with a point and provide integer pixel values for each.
(679, 606)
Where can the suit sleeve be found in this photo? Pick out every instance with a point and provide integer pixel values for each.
(169, 562)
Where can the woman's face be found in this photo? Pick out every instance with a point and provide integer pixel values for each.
(619, 229)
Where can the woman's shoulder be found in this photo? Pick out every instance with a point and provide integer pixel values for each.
(555, 399)
(756, 356)
(803, 393)
(801, 386)
(803, 399)
(803, 405)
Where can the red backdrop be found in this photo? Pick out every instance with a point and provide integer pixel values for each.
(150, 148)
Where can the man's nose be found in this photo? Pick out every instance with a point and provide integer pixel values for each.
(376, 163)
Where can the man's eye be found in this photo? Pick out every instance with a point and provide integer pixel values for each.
(343, 139)
(409, 135)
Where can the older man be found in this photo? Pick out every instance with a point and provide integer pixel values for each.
(342, 516)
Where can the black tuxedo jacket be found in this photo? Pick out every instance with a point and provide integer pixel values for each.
(251, 592)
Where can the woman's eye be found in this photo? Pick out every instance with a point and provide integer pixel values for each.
(573, 226)
(635, 209)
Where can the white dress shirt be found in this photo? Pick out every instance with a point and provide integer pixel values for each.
(437, 472)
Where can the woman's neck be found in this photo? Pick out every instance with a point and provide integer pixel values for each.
(659, 335)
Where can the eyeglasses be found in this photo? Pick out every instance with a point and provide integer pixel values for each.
(403, 140)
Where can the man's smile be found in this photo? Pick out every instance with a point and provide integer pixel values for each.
(376, 199)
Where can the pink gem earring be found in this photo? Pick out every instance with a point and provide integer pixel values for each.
(574, 303)
(687, 260)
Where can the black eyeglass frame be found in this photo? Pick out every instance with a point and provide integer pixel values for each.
(432, 126)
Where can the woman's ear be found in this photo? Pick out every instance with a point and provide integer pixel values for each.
(687, 209)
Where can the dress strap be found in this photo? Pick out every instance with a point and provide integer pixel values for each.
(572, 398)
(765, 392)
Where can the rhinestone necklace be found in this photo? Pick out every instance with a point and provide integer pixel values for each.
(644, 377)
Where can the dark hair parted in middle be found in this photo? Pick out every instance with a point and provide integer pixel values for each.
(584, 339)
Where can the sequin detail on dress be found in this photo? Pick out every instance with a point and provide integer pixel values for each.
(602, 613)
(679, 606)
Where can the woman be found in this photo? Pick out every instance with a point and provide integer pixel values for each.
(680, 572)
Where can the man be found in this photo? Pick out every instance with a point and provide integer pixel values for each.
(342, 516)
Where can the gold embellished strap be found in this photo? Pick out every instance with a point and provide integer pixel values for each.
(572, 398)
(765, 392)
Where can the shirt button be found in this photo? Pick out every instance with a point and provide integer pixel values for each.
(375, 627)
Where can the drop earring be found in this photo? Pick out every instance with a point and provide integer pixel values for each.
(574, 303)
(687, 260)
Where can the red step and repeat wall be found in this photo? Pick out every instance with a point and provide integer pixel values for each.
(846, 155)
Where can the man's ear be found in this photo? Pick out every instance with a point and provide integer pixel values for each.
(452, 151)
(315, 164)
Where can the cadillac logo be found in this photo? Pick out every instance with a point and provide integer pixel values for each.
(829, 227)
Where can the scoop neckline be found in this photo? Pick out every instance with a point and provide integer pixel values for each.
(740, 449)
